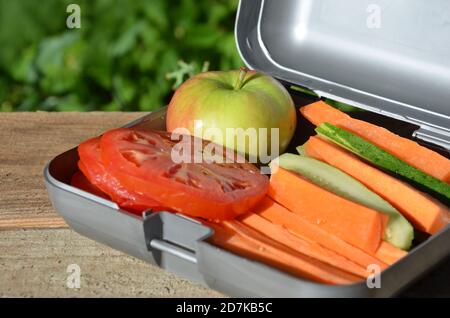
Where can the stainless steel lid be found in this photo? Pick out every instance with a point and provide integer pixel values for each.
(390, 57)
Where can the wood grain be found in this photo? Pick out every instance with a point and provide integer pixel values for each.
(33, 223)
(28, 141)
(34, 249)
(34, 263)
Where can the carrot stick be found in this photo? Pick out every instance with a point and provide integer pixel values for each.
(279, 215)
(426, 213)
(246, 242)
(352, 222)
(306, 247)
(389, 254)
(407, 150)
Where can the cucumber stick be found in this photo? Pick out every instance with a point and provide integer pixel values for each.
(399, 231)
(384, 160)
(301, 150)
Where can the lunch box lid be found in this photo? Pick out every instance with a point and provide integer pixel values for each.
(389, 57)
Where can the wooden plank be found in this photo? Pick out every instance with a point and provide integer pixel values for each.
(34, 263)
(32, 223)
(29, 141)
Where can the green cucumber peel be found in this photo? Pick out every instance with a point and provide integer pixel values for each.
(303, 90)
(384, 160)
(399, 232)
(342, 106)
(301, 150)
(338, 105)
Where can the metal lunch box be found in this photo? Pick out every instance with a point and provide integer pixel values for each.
(392, 60)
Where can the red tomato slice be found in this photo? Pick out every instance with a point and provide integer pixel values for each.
(142, 161)
(92, 167)
(80, 181)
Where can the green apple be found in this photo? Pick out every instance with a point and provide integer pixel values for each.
(241, 109)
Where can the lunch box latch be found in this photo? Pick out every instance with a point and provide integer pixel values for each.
(173, 234)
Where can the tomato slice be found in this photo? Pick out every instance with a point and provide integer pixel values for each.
(92, 167)
(80, 181)
(142, 161)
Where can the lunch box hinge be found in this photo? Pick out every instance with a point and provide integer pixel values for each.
(174, 250)
(173, 234)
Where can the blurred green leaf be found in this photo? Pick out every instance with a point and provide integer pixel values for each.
(119, 58)
(60, 62)
(184, 70)
(24, 69)
(111, 107)
(126, 41)
(202, 36)
(124, 89)
(157, 12)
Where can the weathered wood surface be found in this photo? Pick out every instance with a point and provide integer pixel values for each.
(35, 250)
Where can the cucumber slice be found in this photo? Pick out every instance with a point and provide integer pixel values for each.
(342, 106)
(338, 105)
(301, 150)
(303, 90)
(399, 232)
(384, 160)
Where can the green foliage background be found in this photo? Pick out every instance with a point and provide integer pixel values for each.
(118, 60)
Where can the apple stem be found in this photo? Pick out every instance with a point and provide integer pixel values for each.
(240, 81)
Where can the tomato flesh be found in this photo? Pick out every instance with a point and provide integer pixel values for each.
(142, 161)
(80, 181)
(92, 167)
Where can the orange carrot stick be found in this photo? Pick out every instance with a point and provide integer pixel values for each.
(426, 213)
(246, 242)
(389, 254)
(407, 150)
(279, 215)
(352, 222)
(306, 247)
